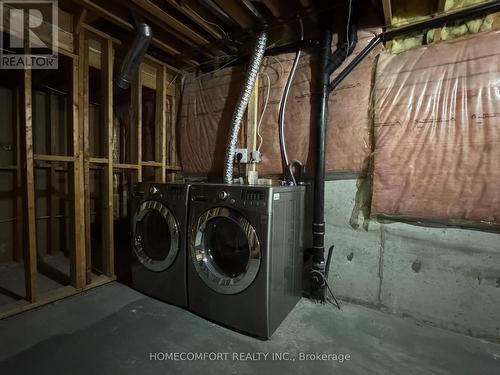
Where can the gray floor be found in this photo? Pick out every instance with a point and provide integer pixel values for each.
(114, 330)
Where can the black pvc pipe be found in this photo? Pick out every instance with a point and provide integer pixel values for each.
(354, 63)
(431, 23)
(327, 66)
(318, 226)
(328, 63)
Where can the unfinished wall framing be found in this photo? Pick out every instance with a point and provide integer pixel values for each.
(72, 149)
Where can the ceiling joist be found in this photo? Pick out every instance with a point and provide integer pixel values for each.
(128, 26)
(155, 11)
(237, 13)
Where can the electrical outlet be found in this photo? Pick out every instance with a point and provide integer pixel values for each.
(244, 155)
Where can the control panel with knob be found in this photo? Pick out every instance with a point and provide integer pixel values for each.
(153, 190)
(223, 195)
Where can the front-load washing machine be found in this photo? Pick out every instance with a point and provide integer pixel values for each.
(159, 219)
(246, 252)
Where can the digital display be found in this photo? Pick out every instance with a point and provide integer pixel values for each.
(254, 195)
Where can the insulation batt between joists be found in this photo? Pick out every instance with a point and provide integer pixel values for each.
(208, 101)
(437, 133)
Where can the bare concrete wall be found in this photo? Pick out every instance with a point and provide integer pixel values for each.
(447, 277)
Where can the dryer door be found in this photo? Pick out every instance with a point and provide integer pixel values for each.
(225, 250)
(156, 236)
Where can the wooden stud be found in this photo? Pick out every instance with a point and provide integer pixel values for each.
(78, 271)
(386, 4)
(161, 118)
(137, 109)
(81, 20)
(30, 255)
(84, 146)
(18, 236)
(172, 131)
(441, 6)
(107, 72)
(252, 123)
(53, 126)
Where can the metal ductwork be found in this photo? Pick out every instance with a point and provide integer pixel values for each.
(241, 106)
(135, 55)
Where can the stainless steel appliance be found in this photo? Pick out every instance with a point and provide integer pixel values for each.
(246, 251)
(159, 221)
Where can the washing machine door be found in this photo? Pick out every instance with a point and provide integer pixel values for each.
(225, 250)
(155, 236)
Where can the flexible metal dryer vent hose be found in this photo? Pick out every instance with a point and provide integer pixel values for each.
(241, 106)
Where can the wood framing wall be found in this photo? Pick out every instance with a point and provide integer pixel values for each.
(84, 185)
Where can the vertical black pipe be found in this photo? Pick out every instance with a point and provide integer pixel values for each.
(318, 250)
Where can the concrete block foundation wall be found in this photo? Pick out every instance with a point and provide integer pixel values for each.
(446, 277)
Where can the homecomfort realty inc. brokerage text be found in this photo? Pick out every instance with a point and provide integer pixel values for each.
(248, 356)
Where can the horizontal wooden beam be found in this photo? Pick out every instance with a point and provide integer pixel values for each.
(98, 160)
(101, 34)
(61, 158)
(273, 6)
(173, 168)
(193, 15)
(237, 13)
(124, 24)
(155, 164)
(125, 166)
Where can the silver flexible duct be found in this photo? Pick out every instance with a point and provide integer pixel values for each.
(282, 109)
(241, 106)
(135, 55)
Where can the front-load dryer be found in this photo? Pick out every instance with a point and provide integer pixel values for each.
(159, 219)
(245, 254)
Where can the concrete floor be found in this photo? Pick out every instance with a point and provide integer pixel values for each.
(113, 330)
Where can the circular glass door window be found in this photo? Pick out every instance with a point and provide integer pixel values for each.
(156, 236)
(225, 250)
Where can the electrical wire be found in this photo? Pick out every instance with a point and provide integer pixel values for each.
(348, 23)
(325, 282)
(268, 86)
(207, 22)
(283, 101)
(172, 81)
(280, 64)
